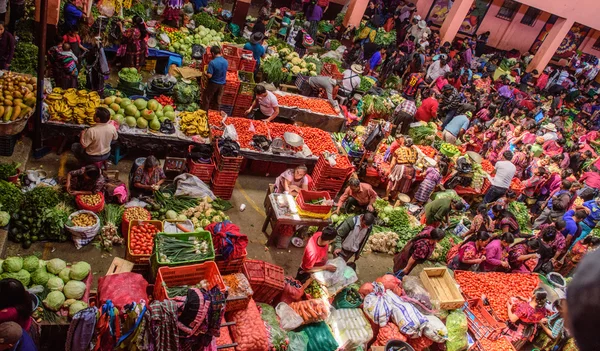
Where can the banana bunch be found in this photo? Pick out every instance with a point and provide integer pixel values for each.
(195, 123)
(72, 105)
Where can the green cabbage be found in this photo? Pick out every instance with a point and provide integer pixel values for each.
(54, 300)
(55, 284)
(80, 270)
(76, 307)
(55, 265)
(64, 275)
(74, 289)
(12, 264)
(1, 263)
(40, 276)
(31, 263)
(4, 218)
(22, 276)
(69, 302)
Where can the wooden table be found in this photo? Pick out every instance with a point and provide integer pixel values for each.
(278, 217)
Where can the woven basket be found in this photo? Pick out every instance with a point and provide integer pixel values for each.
(14, 127)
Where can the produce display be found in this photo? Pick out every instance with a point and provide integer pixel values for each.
(423, 135)
(172, 250)
(166, 101)
(204, 214)
(249, 330)
(138, 113)
(132, 213)
(427, 150)
(311, 311)
(186, 96)
(449, 150)
(384, 242)
(305, 103)
(496, 288)
(83, 220)
(521, 212)
(91, 200)
(194, 123)
(314, 290)
(17, 98)
(73, 106)
(487, 166)
(111, 219)
(366, 83)
(141, 238)
(130, 74)
(500, 344)
(237, 285)
(182, 40)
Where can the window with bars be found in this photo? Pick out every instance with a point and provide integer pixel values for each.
(508, 10)
(596, 44)
(530, 16)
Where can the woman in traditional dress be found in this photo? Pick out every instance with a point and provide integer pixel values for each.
(133, 47)
(402, 172)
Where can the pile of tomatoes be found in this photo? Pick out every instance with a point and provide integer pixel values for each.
(232, 77)
(165, 100)
(497, 287)
(427, 150)
(487, 166)
(502, 344)
(141, 239)
(312, 104)
(317, 140)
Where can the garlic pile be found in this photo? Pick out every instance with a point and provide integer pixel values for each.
(384, 242)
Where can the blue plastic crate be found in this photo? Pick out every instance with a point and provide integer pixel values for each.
(227, 109)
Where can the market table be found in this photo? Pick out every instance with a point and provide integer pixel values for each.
(278, 158)
(328, 123)
(278, 216)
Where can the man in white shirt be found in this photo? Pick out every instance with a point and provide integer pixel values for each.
(505, 171)
(351, 79)
(94, 142)
(266, 101)
(437, 68)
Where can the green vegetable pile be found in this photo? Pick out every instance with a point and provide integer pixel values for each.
(314, 290)
(130, 75)
(384, 38)
(521, 212)
(207, 20)
(366, 83)
(272, 66)
(8, 170)
(174, 250)
(186, 96)
(334, 44)
(167, 201)
(10, 197)
(25, 58)
(449, 150)
(422, 135)
(442, 247)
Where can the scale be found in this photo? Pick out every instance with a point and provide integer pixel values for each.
(288, 144)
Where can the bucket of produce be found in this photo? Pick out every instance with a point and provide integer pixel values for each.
(93, 202)
(83, 226)
(129, 77)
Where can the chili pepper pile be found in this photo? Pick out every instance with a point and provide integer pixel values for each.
(502, 344)
(165, 100)
(141, 238)
(427, 150)
(311, 104)
(497, 287)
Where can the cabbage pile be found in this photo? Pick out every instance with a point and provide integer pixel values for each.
(201, 36)
(295, 64)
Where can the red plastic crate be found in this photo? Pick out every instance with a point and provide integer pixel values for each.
(266, 280)
(325, 168)
(223, 192)
(203, 171)
(239, 111)
(223, 163)
(186, 275)
(231, 88)
(244, 101)
(247, 65)
(228, 98)
(224, 178)
(317, 176)
(230, 266)
(139, 258)
(305, 196)
(480, 322)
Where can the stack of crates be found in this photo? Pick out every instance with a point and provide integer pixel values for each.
(245, 93)
(204, 171)
(266, 280)
(230, 93)
(247, 61)
(227, 170)
(329, 179)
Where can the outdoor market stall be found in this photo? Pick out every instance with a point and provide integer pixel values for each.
(313, 112)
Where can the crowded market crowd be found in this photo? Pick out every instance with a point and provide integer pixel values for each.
(456, 158)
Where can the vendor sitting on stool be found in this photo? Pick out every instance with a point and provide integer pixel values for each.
(327, 84)
(267, 103)
(150, 176)
(94, 142)
(352, 236)
(358, 197)
(291, 181)
(86, 180)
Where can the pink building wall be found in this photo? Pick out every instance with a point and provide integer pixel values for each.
(589, 41)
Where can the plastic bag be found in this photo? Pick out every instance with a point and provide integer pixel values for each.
(347, 298)
(405, 315)
(230, 132)
(457, 331)
(336, 281)
(461, 228)
(292, 291)
(319, 337)
(277, 336)
(122, 289)
(389, 281)
(298, 341)
(311, 311)
(366, 289)
(83, 235)
(290, 320)
(387, 333)
(377, 305)
(350, 327)
(414, 289)
(190, 185)
(435, 330)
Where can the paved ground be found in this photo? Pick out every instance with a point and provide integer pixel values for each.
(250, 190)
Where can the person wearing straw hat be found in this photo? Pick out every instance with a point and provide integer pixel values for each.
(350, 80)
(550, 133)
(418, 30)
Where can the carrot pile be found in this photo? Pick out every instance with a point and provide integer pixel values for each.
(496, 345)
(141, 238)
(497, 287)
(232, 77)
(311, 310)
(427, 150)
(311, 104)
(487, 166)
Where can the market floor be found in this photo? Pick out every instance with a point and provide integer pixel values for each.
(250, 190)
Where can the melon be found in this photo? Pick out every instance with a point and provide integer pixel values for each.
(130, 121)
(170, 115)
(153, 105)
(168, 108)
(116, 117)
(140, 103)
(118, 100)
(125, 102)
(109, 100)
(137, 114)
(121, 112)
(159, 113)
(148, 114)
(142, 123)
(130, 110)
(115, 107)
(154, 124)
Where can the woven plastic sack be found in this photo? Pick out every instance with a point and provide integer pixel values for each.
(435, 330)
(405, 315)
(83, 206)
(347, 298)
(319, 337)
(377, 305)
(83, 235)
(298, 341)
(122, 289)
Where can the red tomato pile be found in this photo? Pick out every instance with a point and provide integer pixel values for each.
(141, 239)
(427, 150)
(317, 140)
(278, 129)
(232, 77)
(165, 100)
(497, 287)
(516, 185)
(487, 166)
(315, 105)
(242, 127)
(502, 344)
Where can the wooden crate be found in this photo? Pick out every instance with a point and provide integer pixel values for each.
(442, 287)
(119, 265)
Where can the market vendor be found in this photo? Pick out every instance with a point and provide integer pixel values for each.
(134, 49)
(291, 181)
(592, 218)
(217, 75)
(573, 229)
(15, 303)
(72, 16)
(352, 236)
(431, 180)
(470, 253)
(350, 80)
(524, 316)
(576, 254)
(522, 257)
(556, 205)
(417, 250)
(505, 220)
(87, 180)
(314, 258)
(481, 222)
(505, 171)
(14, 338)
(94, 142)
(358, 197)
(7, 47)
(255, 44)
(496, 254)
(459, 124)
(149, 176)
(326, 83)
(402, 171)
(266, 101)
(438, 211)
(552, 246)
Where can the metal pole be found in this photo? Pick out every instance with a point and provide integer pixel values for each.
(37, 122)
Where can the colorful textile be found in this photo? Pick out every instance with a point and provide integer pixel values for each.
(401, 178)
(81, 330)
(164, 325)
(145, 178)
(432, 179)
